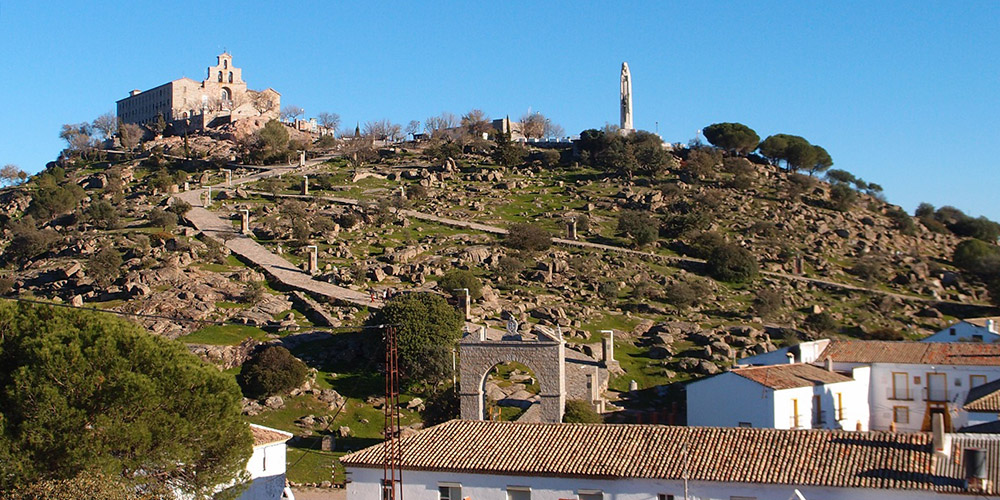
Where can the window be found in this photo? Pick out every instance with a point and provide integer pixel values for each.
(220, 76)
(818, 416)
(664, 496)
(901, 414)
(230, 77)
(951, 331)
(449, 491)
(976, 380)
(937, 387)
(840, 406)
(977, 338)
(746, 424)
(518, 493)
(225, 63)
(590, 495)
(900, 385)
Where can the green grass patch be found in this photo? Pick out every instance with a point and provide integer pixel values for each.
(223, 334)
(637, 366)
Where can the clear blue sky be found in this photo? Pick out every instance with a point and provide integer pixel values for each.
(904, 94)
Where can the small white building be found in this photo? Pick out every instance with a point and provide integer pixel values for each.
(789, 396)
(969, 330)
(484, 460)
(267, 464)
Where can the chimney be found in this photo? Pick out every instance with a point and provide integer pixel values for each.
(991, 326)
(829, 364)
(937, 428)
(974, 460)
(791, 358)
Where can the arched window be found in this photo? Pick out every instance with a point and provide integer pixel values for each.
(226, 95)
(230, 77)
(225, 63)
(220, 76)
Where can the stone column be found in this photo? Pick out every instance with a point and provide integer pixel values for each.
(402, 192)
(305, 185)
(187, 186)
(229, 176)
(551, 271)
(608, 347)
(302, 158)
(313, 259)
(208, 197)
(466, 302)
(571, 229)
(245, 221)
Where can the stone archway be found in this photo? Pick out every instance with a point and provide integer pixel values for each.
(544, 357)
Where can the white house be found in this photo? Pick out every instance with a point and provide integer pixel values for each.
(483, 460)
(969, 330)
(267, 464)
(982, 405)
(789, 396)
(909, 381)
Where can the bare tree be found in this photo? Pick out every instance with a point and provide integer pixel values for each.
(12, 175)
(263, 102)
(412, 128)
(106, 124)
(436, 124)
(291, 113)
(129, 135)
(329, 120)
(77, 136)
(382, 130)
(476, 122)
(533, 125)
(553, 129)
(359, 152)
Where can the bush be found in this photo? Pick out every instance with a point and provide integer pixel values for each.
(180, 207)
(842, 197)
(680, 295)
(459, 278)
(798, 184)
(528, 237)
(767, 302)
(253, 293)
(161, 218)
(579, 411)
(509, 268)
(732, 263)
(704, 243)
(102, 215)
(608, 290)
(820, 323)
(883, 334)
(28, 241)
(273, 370)
(105, 266)
(639, 226)
(974, 255)
(902, 221)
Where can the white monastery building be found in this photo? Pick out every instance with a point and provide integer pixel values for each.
(896, 386)
(483, 460)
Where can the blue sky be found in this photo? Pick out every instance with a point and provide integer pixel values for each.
(904, 94)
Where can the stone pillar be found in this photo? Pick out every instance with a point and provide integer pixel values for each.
(229, 176)
(466, 302)
(302, 158)
(608, 347)
(187, 185)
(305, 184)
(551, 271)
(571, 229)
(208, 197)
(313, 259)
(798, 265)
(245, 221)
(402, 192)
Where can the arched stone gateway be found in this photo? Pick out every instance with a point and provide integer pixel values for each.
(545, 357)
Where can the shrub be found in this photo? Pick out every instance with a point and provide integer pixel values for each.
(767, 302)
(820, 323)
(253, 293)
(704, 242)
(680, 295)
(798, 184)
(459, 278)
(509, 268)
(639, 226)
(973, 255)
(842, 197)
(579, 411)
(28, 241)
(732, 263)
(272, 370)
(869, 269)
(528, 237)
(102, 215)
(583, 223)
(161, 218)
(105, 266)
(180, 207)
(883, 334)
(608, 290)
(902, 221)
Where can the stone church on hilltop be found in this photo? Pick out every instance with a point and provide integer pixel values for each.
(186, 104)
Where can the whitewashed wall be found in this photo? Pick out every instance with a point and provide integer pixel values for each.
(727, 399)
(963, 332)
(267, 469)
(422, 485)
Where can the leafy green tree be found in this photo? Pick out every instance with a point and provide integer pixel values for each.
(732, 263)
(460, 278)
(979, 228)
(823, 161)
(105, 266)
(842, 197)
(102, 214)
(974, 255)
(767, 302)
(592, 142)
(527, 237)
(162, 218)
(733, 137)
(427, 328)
(773, 148)
(273, 140)
(841, 177)
(27, 241)
(272, 370)
(640, 226)
(81, 391)
(579, 411)
(820, 323)
(507, 153)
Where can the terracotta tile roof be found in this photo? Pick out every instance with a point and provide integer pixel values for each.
(266, 435)
(951, 469)
(984, 397)
(790, 376)
(917, 353)
(615, 451)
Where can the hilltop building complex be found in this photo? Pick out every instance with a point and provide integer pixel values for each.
(220, 98)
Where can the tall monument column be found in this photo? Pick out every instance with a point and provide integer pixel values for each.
(626, 98)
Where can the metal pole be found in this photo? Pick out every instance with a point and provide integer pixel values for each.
(454, 376)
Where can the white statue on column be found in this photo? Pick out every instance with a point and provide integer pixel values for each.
(626, 99)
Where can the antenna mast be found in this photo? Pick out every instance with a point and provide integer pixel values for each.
(392, 461)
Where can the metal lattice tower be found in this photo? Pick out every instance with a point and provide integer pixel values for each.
(392, 472)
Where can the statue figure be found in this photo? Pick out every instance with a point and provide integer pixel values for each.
(626, 98)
